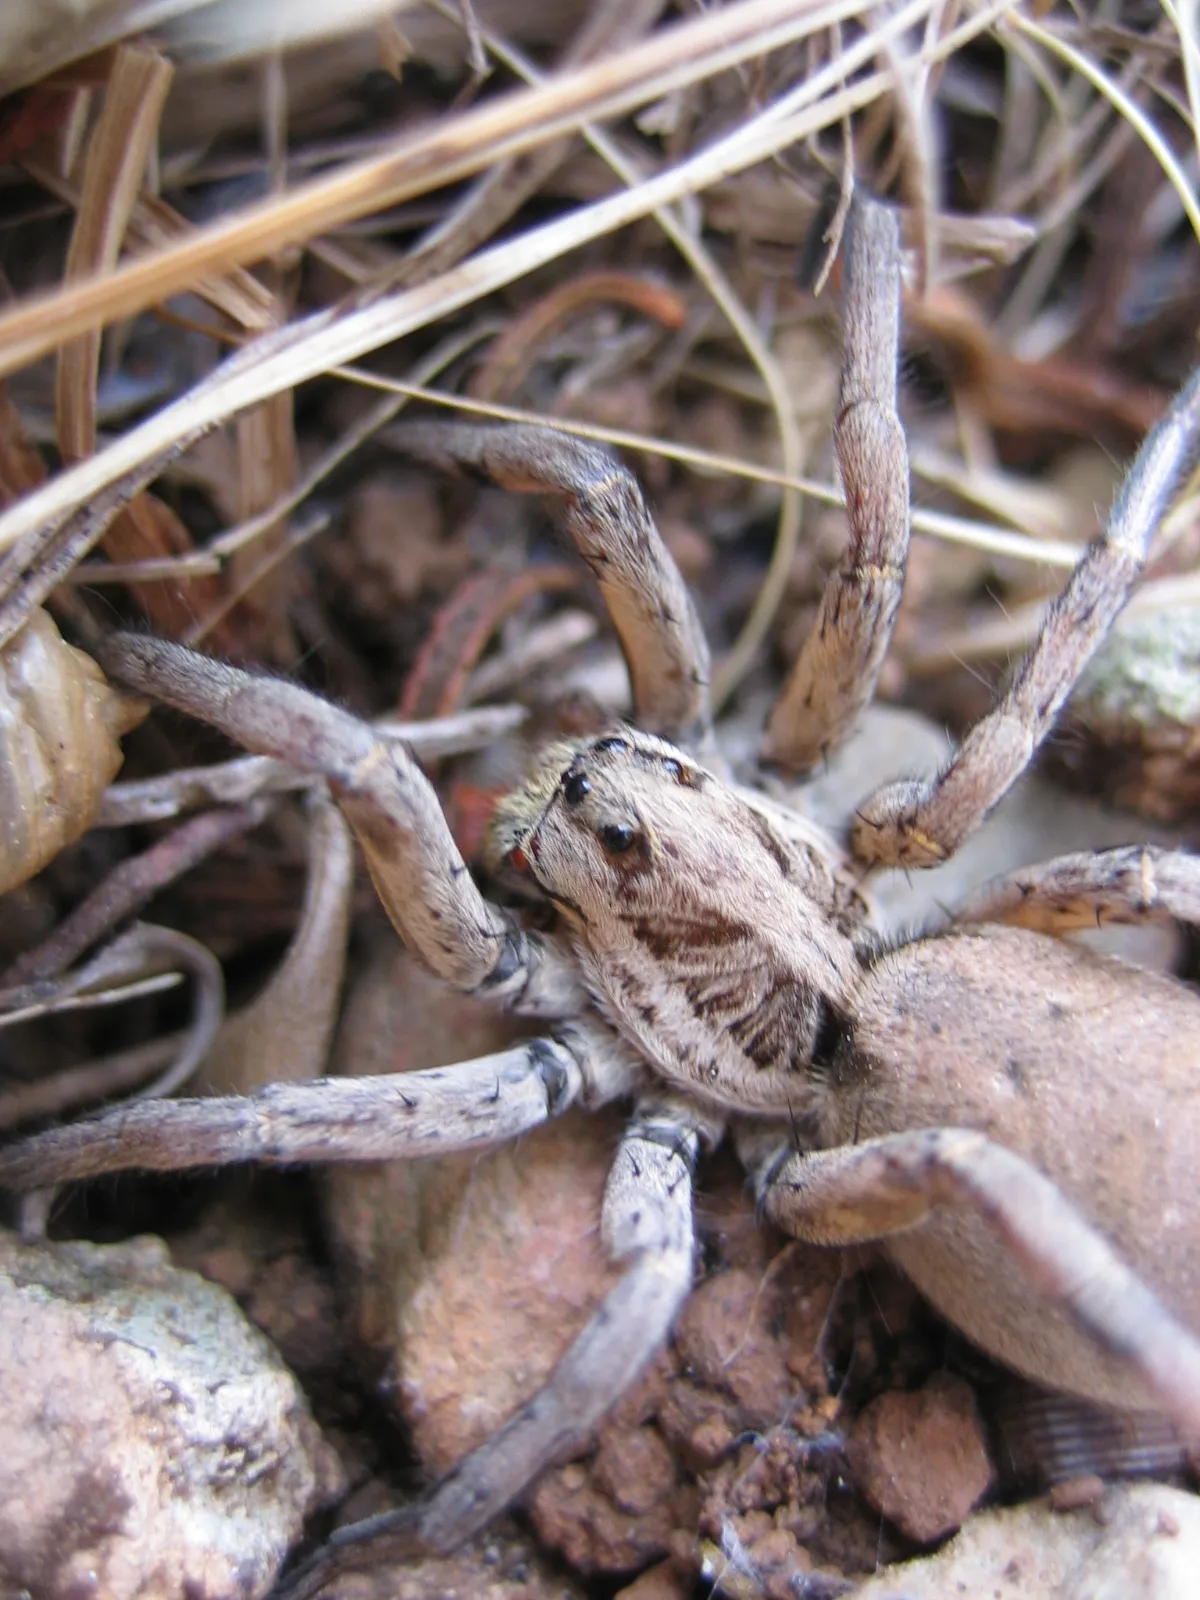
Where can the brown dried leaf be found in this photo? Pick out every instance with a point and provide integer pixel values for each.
(115, 165)
(21, 467)
(113, 170)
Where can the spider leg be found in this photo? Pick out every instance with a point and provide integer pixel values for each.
(888, 1185)
(415, 864)
(610, 523)
(1134, 883)
(648, 1218)
(919, 823)
(835, 675)
(432, 1113)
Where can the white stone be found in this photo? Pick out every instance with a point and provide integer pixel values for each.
(1142, 1542)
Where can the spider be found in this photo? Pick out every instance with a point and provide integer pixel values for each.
(1013, 1116)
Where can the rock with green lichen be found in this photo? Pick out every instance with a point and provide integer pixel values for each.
(1131, 731)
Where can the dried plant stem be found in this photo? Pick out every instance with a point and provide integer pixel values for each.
(1183, 19)
(236, 782)
(455, 149)
(1124, 103)
(86, 1084)
(940, 525)
(727, 299)
(326, 340)
(362, 429)
(128, 887)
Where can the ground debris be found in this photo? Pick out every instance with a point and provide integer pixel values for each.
(1146, 1543)
(504, 1566)
(921, 1458)
(151, 1441)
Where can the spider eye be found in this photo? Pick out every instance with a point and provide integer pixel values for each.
(618, 838)
(684, 776)
(613, 742)
(575, 786)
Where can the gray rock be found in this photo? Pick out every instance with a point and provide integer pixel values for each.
(151, 1441)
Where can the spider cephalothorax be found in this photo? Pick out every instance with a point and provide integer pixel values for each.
(682, 901)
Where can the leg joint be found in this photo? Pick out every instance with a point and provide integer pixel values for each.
(512, 959)
(550, 1062)
(682, 1142)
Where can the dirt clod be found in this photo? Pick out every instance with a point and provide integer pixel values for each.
(575, 1513)
(921, 1458)
(634, 1465)
(504, 1566)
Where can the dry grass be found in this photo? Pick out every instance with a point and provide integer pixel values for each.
(888, 77)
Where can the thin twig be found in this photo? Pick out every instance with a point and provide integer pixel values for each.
(1124, 103)
(239, 781)
(127, 888)
(939, 524)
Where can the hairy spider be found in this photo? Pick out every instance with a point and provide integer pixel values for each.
(1016, 1117)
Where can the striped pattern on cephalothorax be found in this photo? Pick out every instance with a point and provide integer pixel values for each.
(715, 941)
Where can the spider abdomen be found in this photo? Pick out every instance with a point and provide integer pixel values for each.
(1028, 1039)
